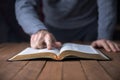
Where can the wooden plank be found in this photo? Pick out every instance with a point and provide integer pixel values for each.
(2, 45)
(113, 56)
(72, 70)
(94, 71)
(112, 67)
(8, 50)
(30, 71)
(51, 71)
(9, 69)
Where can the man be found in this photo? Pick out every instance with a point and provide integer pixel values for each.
(68, 20)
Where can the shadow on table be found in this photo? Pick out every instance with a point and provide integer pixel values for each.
(66, 59)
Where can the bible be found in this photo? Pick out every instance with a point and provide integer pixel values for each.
(68, 50)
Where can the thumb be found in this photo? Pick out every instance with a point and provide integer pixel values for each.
(57, 44)
(93, 44)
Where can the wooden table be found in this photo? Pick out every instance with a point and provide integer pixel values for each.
(55, 70)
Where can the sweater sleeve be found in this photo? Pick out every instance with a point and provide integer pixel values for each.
(27, 16)
(106, 18)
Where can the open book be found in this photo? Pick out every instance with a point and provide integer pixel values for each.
(68, 50)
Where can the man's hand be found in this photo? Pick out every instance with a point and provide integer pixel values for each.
(43, 39)
(107, 45)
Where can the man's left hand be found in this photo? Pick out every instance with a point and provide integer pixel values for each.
(108, 45)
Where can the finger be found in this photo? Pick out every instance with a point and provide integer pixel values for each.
(117, 47)
(111, 46)
(33, 41)
(32, 38)
(105, 46)
(57, 44)
(40, 40)
(37, 40)
(94, 44)
(48, 41)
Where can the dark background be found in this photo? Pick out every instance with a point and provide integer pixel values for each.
(14, 33)
(118, 9)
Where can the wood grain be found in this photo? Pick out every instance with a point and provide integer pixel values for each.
(9, 69)
(31, 71)
(56, 70)
(112, 67)
(94, 71)
(72, 70)
(51, 71)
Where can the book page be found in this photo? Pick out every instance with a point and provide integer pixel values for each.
(78, 47)
(33, 51)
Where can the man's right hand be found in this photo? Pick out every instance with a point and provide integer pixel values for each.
(43, 39)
